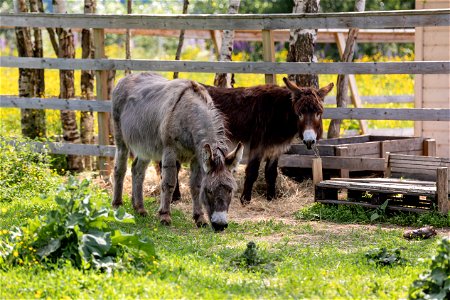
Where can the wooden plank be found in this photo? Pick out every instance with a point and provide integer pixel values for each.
(415, 114)
(71, 149)
(374, 19)
(317, 170)
(416, 67)
(419, 158)
(389, 207)
(101, 81)
(343, 151)
(390, 188)
(429, 147)
(346, 140)
(341, 113)
(324, 150)
(268, 53)
(333, 162)
(394, 146)
(54, 103)
(388, 180)
(378, 99)
(436, 52)
(363, 149)
(442, 190)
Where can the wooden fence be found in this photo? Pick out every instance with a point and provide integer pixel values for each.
(264, 23)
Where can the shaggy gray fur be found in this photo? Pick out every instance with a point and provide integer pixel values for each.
(158, 119)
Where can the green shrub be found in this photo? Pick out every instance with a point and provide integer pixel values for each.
(23, 173)
(77, 232)
(435, 283)
(385, 257)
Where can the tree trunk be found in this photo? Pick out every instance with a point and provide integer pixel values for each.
(181, 38)
(67, 89)
(87, 86)
(342, 80)
(128, 37)
(224, 79)
(301, 44)
(31, 82)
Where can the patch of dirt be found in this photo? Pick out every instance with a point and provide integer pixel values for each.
(292, 197)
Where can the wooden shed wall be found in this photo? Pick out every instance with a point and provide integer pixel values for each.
(433, 91)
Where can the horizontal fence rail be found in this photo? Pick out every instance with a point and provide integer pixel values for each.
(373, 19)
(415, 114)
(418, 67)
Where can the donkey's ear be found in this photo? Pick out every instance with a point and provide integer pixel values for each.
(234, 157)
(207, 158)
(325, 90)
(291, 86)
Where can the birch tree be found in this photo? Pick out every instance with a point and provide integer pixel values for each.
(66, 49)
(87, 85)
(31, 82)
(225, 79)
(301, 44)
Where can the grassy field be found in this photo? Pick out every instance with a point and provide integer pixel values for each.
(297, 258)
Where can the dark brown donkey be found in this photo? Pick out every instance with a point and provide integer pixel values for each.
(266, 118)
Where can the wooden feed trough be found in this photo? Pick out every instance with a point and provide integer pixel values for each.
(359, 155)
(402, 194)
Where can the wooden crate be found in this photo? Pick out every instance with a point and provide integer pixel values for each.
(359, 155)
(401, 194)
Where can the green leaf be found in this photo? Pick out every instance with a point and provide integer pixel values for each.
(48, 249)
(133, 242)
(384, 205)
(439, 275)
(374, 216)
(122, 216)
(94, 244)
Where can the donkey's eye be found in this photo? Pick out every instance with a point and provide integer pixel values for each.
(318, 115)
(300, 116)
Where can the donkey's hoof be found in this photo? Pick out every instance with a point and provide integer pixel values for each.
(245, 201)
(201, 221)
(165, 219)
(116, 204)
(142, 211)
(271, 196)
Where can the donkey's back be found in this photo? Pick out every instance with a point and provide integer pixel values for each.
(147, 114)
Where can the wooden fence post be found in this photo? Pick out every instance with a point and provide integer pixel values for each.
(317, 170)
(429, 147)
(442, 189)
(269, 53)
(343, 151)
(104, 163)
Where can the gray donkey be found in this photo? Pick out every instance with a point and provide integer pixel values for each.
(158, 119)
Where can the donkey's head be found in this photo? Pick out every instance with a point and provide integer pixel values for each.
(308, 106)
(218, 183)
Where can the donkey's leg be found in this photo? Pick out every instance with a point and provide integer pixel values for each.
(138, 175)
(251, 174)
(271, 173)
(168, 182)
(120, 168)
(176, 193)
(195, 184)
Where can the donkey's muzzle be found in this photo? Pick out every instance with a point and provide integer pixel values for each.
(309, 143)
(219, 227)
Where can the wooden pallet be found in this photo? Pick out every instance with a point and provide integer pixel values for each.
(403, 195)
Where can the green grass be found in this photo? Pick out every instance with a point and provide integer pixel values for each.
(301, 259)
(309, 260)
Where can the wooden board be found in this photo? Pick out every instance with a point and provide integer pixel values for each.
(374, 19)
(417, 67)
(333, 162)
(397, 208)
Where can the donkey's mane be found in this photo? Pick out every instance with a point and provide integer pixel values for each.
(310, 101)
